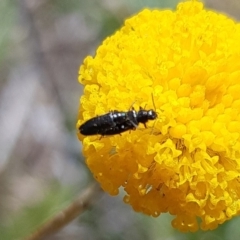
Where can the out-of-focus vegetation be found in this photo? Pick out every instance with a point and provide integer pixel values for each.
(42, 44)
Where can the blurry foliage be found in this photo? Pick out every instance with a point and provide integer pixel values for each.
(7, 23)
(137, 5)
(30, 217)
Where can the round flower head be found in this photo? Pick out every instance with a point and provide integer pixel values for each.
(185, 65)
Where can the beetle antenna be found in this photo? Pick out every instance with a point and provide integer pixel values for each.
(131, 106)
(156, 112)
(153, 102)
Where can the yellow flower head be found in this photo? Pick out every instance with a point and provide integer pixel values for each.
(187, 161)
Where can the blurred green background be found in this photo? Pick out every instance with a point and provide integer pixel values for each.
(42, 45)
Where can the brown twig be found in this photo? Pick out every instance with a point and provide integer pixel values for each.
(67, 215)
